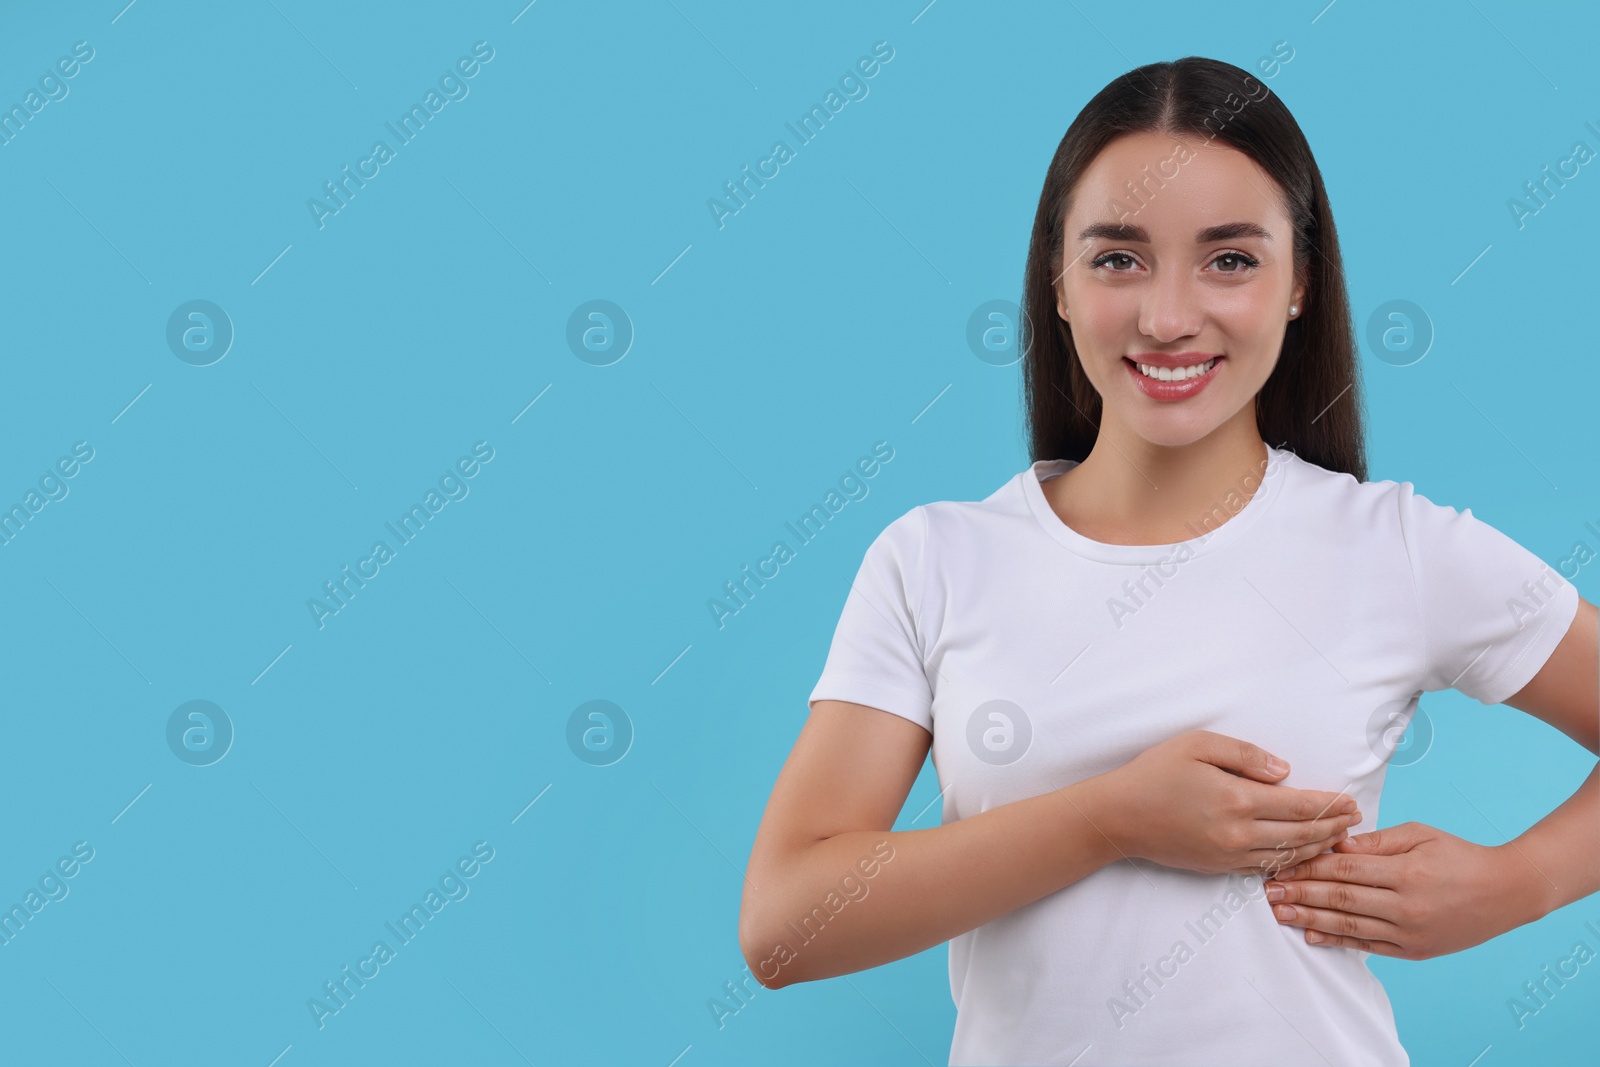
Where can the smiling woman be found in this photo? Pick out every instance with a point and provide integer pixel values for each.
(1198, 348)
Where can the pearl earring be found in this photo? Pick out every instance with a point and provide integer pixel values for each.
(1294, 309)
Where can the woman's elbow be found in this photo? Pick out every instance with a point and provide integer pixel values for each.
(760, 957)
(765, 951)
(756, 922)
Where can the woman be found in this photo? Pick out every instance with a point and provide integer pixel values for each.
(1104, 655)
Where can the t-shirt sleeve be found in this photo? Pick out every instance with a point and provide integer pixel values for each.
(877, 655)
(1491, 611)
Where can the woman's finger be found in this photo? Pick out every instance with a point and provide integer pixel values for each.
(1374, 901)
(1293, 834)
(1338, 923)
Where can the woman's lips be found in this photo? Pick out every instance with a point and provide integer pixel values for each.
(1156, 389)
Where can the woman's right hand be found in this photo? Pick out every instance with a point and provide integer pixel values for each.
(1203, 801)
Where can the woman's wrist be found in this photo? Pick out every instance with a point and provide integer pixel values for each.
(1526, 892)
(1097, 803)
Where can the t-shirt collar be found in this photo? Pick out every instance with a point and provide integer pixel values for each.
(1226, 524)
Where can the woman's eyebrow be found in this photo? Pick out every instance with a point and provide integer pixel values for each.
(1226, 231)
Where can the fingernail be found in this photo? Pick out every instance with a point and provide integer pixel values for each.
(1274, 892)
(1313, 937)
(1287, 872)
(1276, 765)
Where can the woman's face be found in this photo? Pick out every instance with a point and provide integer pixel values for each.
(1199, 267)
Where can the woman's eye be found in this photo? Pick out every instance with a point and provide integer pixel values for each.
(1103, 260)
(1240, 262)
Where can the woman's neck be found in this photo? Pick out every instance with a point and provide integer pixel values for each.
(1130, 491)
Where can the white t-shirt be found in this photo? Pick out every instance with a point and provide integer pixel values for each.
(1307, 621)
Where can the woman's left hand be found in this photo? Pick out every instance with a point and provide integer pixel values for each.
(1410, 891)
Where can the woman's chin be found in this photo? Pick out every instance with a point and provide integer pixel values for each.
(1173, 429)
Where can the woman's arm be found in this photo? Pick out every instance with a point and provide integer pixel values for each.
(1416, 892)
(1558, 858)
(853, 767)
(831, 889)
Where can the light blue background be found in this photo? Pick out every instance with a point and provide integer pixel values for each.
(827, 315)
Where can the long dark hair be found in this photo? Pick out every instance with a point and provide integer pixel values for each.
(1311, 404)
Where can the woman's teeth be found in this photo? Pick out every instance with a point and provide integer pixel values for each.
(1175, 374)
